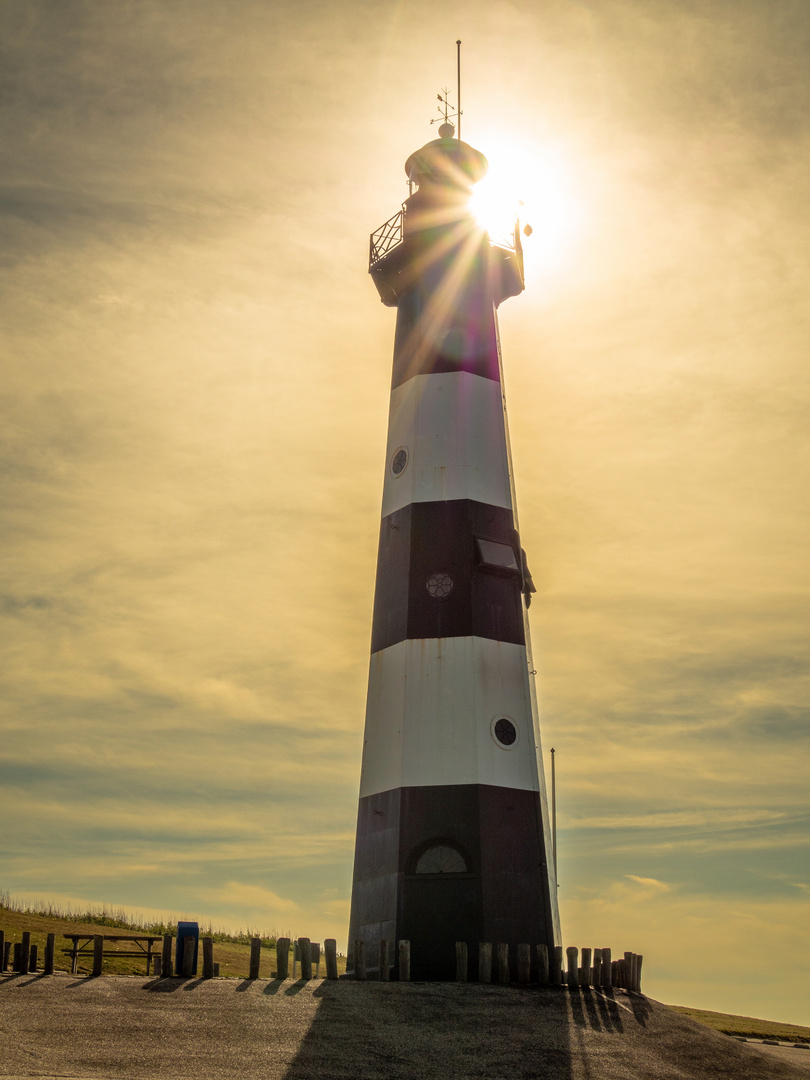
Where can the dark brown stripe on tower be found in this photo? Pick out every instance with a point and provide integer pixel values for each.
(433, 579)
(502, 896)
(434, 335)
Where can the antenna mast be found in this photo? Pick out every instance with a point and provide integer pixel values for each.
(458, 85)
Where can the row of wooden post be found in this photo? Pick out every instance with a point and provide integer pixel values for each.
(597, 970)
(23, 956)
(384, 961)
(305, 952)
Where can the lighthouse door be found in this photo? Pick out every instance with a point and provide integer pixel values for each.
(441, 905)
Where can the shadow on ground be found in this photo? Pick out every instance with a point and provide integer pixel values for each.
(428, 1030)
(389, 1031)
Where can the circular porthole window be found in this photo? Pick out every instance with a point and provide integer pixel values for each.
(399, 461)
(439, 586)
(505, 732)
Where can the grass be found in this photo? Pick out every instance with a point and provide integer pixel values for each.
(746, 1027)
(231, 951)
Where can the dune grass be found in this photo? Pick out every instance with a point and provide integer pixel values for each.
(746, 1027)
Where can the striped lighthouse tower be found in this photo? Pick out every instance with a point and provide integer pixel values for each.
(453, 839)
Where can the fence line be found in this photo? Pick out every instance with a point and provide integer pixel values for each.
(584, 968)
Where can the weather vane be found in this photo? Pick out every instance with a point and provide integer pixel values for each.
(444, 104)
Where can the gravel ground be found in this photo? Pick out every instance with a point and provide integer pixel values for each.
(130, 1028)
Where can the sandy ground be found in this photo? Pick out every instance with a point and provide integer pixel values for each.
(131, 1028)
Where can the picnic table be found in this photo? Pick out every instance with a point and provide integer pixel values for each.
(83, 947)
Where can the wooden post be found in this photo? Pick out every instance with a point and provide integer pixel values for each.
(157, 966)
(360, 960)
(542, 965)
(296, 951)
(2, 950)
(208, 958)
(503, 963)
(282, 957)
(385, 966)
(597, 968)
(188, 957)
(461, 961)
(607, 969)
(555, 966)
(485, 961)
(306, 958)
(17, 960)
(32, 966)
(573, 972)
(330, 953)
(524, 963)
(255, 957)
(315, 957)
(166, 957)
(639, 962)
(585, 969)
(216, 970)
(50, 949)
(98, 953)
(404, 961)
(25, 952)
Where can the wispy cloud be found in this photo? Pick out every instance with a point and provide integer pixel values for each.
(650, 884)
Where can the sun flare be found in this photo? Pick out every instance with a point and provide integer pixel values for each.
(539, 188)
(495, 206)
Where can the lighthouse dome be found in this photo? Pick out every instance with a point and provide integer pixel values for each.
(447, 162)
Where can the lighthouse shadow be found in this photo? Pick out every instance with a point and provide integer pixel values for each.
(456, 1031)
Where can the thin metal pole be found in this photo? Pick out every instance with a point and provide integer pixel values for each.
(458, 84)
(554, 812)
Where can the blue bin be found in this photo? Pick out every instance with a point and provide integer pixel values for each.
(186, 930)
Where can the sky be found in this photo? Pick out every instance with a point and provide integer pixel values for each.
(195, 380)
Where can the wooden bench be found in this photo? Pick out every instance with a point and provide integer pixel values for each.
(83, 947)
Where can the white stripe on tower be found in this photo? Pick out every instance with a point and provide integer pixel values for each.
(432, 710)
(452, 427)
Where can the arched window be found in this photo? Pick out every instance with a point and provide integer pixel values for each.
(441, 859)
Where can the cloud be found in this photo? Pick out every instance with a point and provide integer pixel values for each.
(650, 884)
(236, 895)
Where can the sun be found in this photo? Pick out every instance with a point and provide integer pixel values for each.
(495, 205)
(541, 187)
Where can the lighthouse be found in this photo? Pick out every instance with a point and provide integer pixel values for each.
(453, 835)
